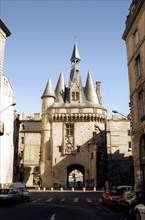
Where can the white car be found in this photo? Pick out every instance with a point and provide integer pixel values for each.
(139, 211)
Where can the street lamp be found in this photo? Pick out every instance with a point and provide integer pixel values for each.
(116, 112)
(1, 123)
(8, 107)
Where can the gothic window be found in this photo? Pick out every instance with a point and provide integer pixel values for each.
(75, 96)
(22, 140)
(92, 155)
(23, 126)
(129, 132)
(138, 66)
(60, 148)
(141, 104)
(78, 148)
(136, 37)
(129, 146)
(69, 129)
(142, 149)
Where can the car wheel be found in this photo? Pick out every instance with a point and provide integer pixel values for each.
(137, 216)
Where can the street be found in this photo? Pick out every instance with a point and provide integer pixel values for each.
(45, 205)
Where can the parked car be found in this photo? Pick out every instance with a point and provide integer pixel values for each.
(24, 192)
(130, 199)
(17, 185)
(10, 196)
(139, 212)
(112, 196)
(125, 188)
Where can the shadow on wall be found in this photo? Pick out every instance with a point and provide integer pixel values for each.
(27, 173)
(120, 169)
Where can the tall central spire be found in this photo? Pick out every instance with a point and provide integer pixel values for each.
(75, 58)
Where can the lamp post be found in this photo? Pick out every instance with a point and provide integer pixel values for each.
(116, 112)
(8, 107)
(1, 123)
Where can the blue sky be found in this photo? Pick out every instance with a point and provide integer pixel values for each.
(42, 40)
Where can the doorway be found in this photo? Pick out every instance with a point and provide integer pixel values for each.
(75, 176)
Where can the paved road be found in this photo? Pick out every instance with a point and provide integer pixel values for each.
(62, 206)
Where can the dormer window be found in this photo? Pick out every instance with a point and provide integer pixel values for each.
(75, 96)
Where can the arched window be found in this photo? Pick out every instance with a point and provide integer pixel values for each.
(142, 149)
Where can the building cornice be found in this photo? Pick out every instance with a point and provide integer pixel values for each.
(85, 117)
(132, 19)
(4, 28)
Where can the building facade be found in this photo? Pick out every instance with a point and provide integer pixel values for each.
(134, 36)
(29, 150)
(73, 131)
(6, 116)
(119, 152)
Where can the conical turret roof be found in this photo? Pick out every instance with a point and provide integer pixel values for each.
(90, 92)
(60, 89)
(48, 92)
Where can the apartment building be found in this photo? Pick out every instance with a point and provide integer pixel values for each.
(134, 36)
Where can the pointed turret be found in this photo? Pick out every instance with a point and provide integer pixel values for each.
(48, 92)
(76, 93)
(75, 70)
(90, 92)
(48, 97)
(60, 89)
(75, 58)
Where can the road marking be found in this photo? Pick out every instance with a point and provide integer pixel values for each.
(53, 216)
(75, 199)
(34, 201)
(89, 200)
(49, 200)
(62, 200)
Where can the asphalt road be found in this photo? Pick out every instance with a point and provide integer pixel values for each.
(62, 206)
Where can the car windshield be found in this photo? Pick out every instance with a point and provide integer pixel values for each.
(115, 192)
(22, 189)
(4, 191)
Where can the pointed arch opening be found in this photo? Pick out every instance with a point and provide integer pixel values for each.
(75, 176)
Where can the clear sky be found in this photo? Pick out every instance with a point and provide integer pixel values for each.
(42, 40)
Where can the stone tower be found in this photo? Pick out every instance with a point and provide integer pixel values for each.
(73, 131)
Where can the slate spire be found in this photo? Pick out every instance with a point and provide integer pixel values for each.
(48, 92)
(90, 92)
(75, 55)
(60, 89)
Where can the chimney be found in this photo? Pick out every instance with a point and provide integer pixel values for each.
(36, 116)
(98, 85)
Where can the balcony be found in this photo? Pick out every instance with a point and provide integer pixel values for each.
(1, 128)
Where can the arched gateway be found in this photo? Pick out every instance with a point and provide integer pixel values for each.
(73, 131)
(75, 176)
